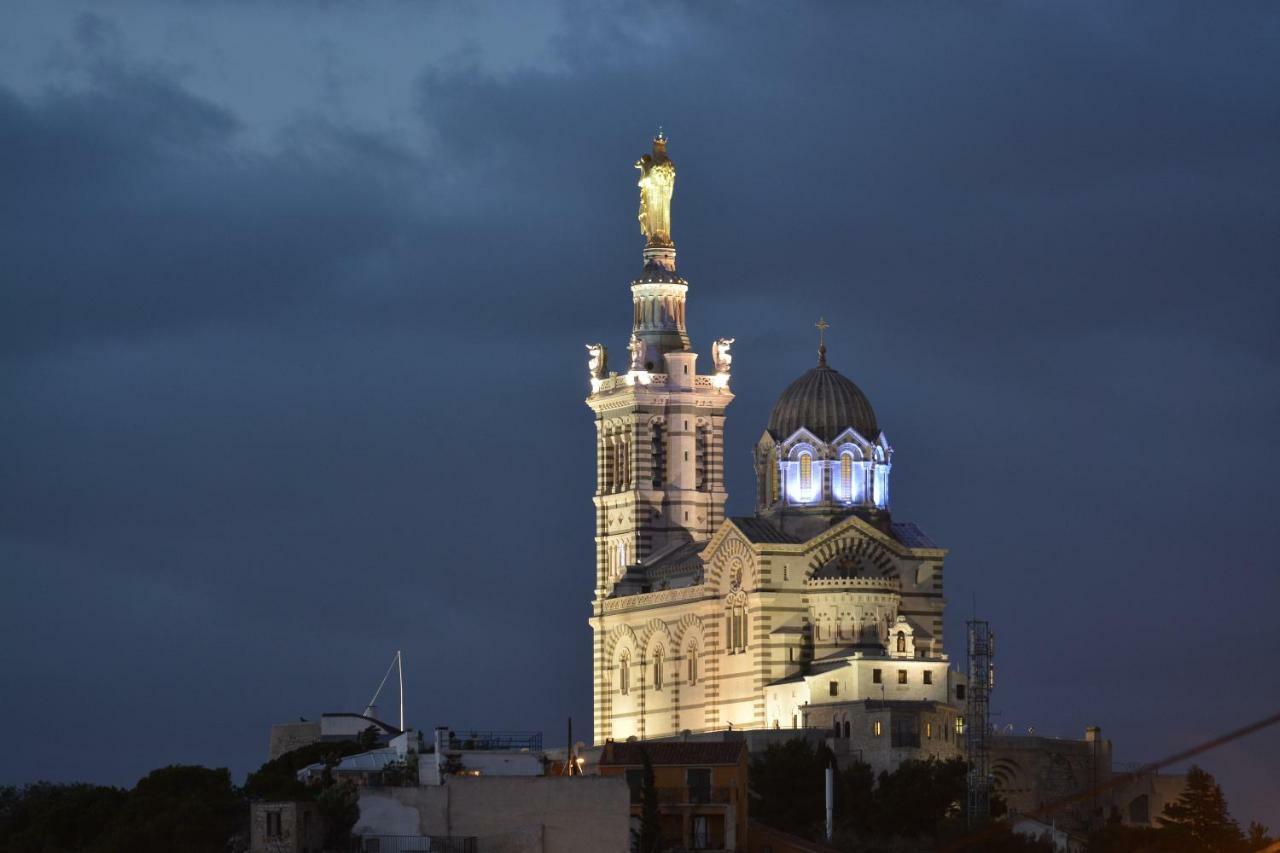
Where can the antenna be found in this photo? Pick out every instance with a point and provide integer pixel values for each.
(397, 663)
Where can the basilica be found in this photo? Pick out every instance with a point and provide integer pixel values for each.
(820, 611)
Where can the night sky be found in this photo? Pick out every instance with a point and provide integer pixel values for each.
(293, 300)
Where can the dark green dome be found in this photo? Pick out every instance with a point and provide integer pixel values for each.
(825, 403)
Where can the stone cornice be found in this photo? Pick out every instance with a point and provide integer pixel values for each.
(650, 599)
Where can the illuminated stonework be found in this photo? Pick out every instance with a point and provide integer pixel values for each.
(819, 611)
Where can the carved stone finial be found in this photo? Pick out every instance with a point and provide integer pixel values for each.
(721, 356)
(597, 360)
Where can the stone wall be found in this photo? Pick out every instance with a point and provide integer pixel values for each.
(286, 737)
(548, 814)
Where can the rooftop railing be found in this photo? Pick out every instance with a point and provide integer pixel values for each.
(511, 741)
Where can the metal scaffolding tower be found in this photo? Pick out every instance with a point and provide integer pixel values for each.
(978, 721)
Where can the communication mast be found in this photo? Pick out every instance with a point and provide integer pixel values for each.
(978, 720)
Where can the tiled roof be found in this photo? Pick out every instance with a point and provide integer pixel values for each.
(759, 530)
(664, 753)
(910, 535)
(683, 556)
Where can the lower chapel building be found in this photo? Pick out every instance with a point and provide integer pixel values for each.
(821, 610)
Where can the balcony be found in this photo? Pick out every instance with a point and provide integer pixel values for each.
(696, 796)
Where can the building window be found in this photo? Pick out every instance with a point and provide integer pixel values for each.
(693, 666)
(928, 730)
(928, 676)
(834, 687)
(806, 475)
(847, 729)
(902, 676)
(273, 825)
(624, 675)
(846, 476)
(959, 691)
(876, 728)
(736, 629)
(906, 731)
(700, 832)
(876, 677)
(959, 725)
(657, 670)
(902, 641)
(791, 654)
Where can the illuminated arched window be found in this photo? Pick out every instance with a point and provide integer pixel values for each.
(846, 475)
(806, 475)
(624, 675)
(657, 670)
(902, 641)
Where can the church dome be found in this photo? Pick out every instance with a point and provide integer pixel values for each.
(825, 403)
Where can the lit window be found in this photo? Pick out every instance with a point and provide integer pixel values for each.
(876, 729)
(928, 676)
(624, 675)
(846, 476)
(657, 670)
(806, 475)
(928, 730)
(902, 676)
(959, 725)
(876, 676)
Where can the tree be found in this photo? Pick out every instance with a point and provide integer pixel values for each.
(1258, 837)
(51, 818)
(277, 779)
(339, 806)
(188, 808)
(788, 786)
(649, 835)
(1199, 819)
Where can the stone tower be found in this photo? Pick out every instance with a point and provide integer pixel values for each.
(659, 424)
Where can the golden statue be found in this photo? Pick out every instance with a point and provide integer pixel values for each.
(657, 181)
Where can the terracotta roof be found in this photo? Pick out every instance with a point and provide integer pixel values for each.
(666, 753)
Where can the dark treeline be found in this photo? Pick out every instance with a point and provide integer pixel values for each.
(920, 807)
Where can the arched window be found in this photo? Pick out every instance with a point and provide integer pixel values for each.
(692, 656)
(847, 728)
(902, 641)
(806, 475)
(657, 669)
(774, 480)
(736, 628)
(846, 476)
(624, 675)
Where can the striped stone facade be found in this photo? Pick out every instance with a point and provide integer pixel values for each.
(703, 623)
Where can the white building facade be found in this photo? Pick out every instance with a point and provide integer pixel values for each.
(820, 611)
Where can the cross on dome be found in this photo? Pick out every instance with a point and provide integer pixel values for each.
(822, 325)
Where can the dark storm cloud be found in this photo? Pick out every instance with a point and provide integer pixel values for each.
(273, 411)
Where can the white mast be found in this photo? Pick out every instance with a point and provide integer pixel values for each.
(400, 666)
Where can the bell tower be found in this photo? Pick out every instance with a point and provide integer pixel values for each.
(659, 424)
